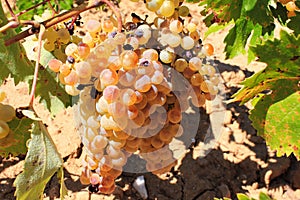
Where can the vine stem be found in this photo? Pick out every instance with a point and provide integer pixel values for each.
(64, 16)
(37, 63)
(116, 12)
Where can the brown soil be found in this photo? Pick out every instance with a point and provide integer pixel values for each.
(239, 163)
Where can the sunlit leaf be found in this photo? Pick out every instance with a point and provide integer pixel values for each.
(41, 163)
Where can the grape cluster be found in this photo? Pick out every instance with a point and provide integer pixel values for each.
(291, 7)
(7, 113)
(167, 8)
(134, 87)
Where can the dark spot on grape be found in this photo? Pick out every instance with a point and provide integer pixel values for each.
(145, 63)
(139, 33)
(129, 26)
(70, 59)
(127, 47)
(112, 34)
(93, 188)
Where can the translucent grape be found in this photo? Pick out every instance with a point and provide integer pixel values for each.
(143, 83)
(132, 111)
(49, 46)
(107, 181)
(140, 119)
(128, 96)
(83, 69)
(208, 49)
(151, 94)
(54, 65)
(195, 63)
(196, 79)
(63, 35)
(93, 26)
(176, 26)
(4, 129)
(133, 41)
(127, 78)
(93, 122)
(157, 77)
(191, 27)
(129, 59)
(83, 50)
(156, 142)
(107, 25)
(121, 135)
(154, 5)
(109, 77)
(167, 8)
(151, 54)
(120, 161)
(105, 190)
(166, 56)
(71, 49)
(117, 109)
(183, 11)
(88, 39)
(187, 43)
(145, 29)
(65, 69)
(108, 123)
(111, 93)
(72, 90)
(208, 70)
(195, 35)
(71, 78)
(174, 115)
(180, 64)
(120, 38)
(206, 86)
(291, 6)
(173, 40)
(145, 67)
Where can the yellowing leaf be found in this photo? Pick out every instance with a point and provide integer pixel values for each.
(41, 163)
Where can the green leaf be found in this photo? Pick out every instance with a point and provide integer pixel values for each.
(294, 24)
(52, 93)
(226, 10)
(215, 28)
(235, 41)
(263, 196)
(282, 126)
(282, 58)
(41, 163)
(249, 4)
(13, 58)
(275, 117)
(241, 196)
(15, 142)
(280, 12)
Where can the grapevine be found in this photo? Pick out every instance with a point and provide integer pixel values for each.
(135, 81)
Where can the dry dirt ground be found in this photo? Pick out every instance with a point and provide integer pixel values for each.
(240, 162)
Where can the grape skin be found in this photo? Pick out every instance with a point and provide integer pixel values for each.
(4, 129)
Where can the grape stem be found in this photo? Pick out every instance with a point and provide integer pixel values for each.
(66, 15)
(37, 63)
